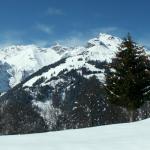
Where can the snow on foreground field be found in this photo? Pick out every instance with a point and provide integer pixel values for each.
(130, 136)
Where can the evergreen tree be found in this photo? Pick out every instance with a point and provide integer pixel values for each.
(128, 81)
(21, 118)
(87, 107)
(56, 98)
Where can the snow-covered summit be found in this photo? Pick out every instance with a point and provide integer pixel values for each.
(103, 47)
(105, 40)
(100, 49)
(23, 60)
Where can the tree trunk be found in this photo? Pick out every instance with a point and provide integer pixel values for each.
(131, 119)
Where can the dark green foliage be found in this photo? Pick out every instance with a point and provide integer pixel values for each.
(85, 71)
(98, 64)
(87, 106)
(56, 99)
(80, 59)
(128, 82)
(39, 81)
(64, 119)
(44, 93)
(20, 118)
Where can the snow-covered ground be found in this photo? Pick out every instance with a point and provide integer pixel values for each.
(130, 136)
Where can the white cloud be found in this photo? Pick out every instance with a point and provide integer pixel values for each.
(78, 38)
(72, 41)
(74, 38)
(45, 28)
(42, 43)
(12, 34)
(9, 42)
(54, 12)
(11, 37)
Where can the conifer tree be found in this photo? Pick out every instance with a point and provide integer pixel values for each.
(21, 118)
(87, 107)
(128, 81)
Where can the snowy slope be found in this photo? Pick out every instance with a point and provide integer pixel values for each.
(23, 61)
(19, 61)
(130, 136)
(101, 49)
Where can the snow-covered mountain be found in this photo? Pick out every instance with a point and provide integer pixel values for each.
(61, 81)
(18, 62)
(129, 136)
(99, 49)
(55, 87)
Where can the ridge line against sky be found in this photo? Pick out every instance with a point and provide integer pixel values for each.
(71, 22)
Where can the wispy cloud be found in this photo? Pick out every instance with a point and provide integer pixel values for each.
(80, 38)
(42, 43)
(116, 31)
(11, 37)
(72, 41)
(74, 38)
(45, 28)
(54, 12)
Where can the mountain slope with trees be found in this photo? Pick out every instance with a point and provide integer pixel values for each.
(71, 93)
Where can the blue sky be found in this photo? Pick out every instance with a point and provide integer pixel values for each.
(71, 22)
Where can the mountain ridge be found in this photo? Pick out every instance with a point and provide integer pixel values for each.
(20, 61)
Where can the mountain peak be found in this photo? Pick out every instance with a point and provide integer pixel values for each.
(108, 37)
(23, 60)
(104, 35)
(105, 40)
(60, 49)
